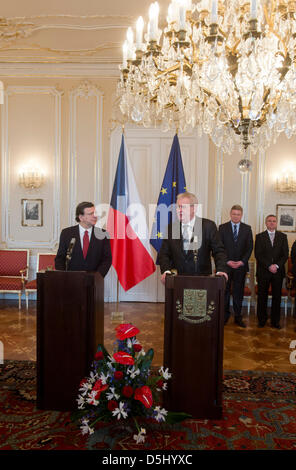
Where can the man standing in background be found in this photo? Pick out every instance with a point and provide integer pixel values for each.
(271, 253)
(238, 242)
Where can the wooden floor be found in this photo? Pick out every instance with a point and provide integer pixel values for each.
(244, 349)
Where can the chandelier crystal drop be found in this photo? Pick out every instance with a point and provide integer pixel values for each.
(225, 67)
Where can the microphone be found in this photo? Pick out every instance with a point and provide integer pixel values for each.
(69, 252)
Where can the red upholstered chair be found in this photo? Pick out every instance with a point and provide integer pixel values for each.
(45, 261)
(14, 266)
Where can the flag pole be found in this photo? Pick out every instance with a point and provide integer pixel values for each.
(118, 316)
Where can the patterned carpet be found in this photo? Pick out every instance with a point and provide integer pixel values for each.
(258, 413)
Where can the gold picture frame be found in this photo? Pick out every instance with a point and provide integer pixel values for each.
(286, 217)
(32, 212)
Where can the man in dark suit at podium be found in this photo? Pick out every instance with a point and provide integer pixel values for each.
(271, 252)
(238, 242)
(190, 242)
(84, 247)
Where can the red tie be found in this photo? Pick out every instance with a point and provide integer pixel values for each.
(85, 243)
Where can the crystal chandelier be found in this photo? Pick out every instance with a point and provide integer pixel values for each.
(225, 67)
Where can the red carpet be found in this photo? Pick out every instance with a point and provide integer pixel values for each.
(258, 413)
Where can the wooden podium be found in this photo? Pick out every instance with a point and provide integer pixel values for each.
(70, 324)
(193, 344)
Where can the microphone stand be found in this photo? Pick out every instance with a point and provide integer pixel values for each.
(195, 260)
(69, 253)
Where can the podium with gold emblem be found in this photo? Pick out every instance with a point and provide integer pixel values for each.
(193, 344)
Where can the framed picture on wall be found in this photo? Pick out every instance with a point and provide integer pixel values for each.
(286, 215)
(32, 212)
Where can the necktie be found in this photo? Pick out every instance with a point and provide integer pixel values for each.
(85, 243)
(235, 233)
(186, 239)
(271, 236)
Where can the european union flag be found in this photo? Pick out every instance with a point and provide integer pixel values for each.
(173, 184)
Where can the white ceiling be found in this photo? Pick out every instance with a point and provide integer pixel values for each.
(68, 31)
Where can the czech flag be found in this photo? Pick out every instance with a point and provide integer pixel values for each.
(127, 227)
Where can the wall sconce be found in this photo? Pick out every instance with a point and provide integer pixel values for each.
(286, 183)
(31, 178)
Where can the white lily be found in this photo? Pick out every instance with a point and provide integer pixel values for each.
(111, 395)
(141, 436)
(85, 428)
(91, 399)
(81, 402)
(104, 378)
(133, 372)
(160, 413)
(165, 373)
(120, 412)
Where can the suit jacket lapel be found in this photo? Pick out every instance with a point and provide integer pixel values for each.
(78, 241)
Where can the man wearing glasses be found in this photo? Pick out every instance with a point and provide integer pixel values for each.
(190, 242)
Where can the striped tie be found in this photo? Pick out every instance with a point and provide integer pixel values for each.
(235, 233)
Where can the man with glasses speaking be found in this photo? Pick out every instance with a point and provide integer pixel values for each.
(190, 242)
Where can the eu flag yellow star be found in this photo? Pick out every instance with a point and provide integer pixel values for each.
(159, 235)
(174, 184)
(164, 191)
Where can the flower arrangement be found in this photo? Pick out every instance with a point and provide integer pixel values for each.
(121, 386)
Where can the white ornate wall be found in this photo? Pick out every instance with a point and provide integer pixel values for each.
(59, 66)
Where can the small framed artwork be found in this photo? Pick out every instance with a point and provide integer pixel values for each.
(286, 215)
(32, 212)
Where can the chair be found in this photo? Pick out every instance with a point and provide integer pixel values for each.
(45, 261)
(14, 265)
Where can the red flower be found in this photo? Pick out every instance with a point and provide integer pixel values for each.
(123, 358)
(99, 356)
(160, 383)
(99, 388)
(125, 331)
(118, 375)
(127, 391)
(144, 395)
(137, 347)
(112, 404)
